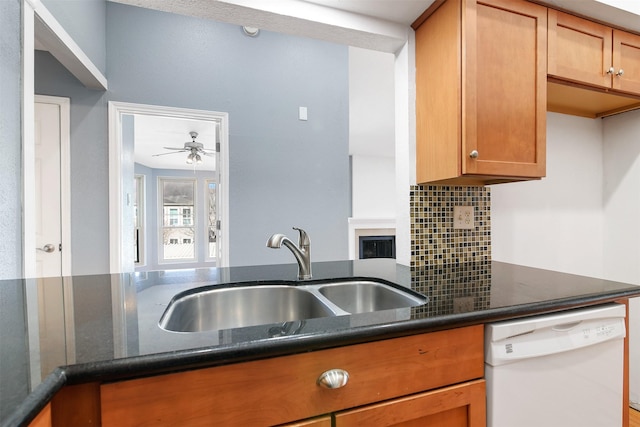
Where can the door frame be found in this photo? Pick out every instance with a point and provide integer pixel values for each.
(29, 254)
(116, 159)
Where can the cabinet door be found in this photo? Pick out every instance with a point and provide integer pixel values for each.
(579, 50)
(626, 57)
(505, 80)
(43, 419)
(315, 422)
(462, 405)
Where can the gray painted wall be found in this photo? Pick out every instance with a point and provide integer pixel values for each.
(14, 375)
(89, 164)
(11, 136)
(85, 21)
(283, 172)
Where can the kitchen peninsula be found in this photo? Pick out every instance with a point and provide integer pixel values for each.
(124, 342)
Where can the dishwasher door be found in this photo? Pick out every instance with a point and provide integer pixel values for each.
(557, 370)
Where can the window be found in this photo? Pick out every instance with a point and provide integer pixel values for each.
(186, 217)
(212, 222)
(173, 216)
(177, 198)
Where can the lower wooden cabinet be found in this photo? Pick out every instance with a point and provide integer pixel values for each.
(43, 419)
(434, 377)
(324, 421)
(462, 405)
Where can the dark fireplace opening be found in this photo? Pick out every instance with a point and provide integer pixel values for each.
(377, 247)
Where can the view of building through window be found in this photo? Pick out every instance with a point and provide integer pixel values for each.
(178, 207)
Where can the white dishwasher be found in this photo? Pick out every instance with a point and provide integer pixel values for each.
(556, 370)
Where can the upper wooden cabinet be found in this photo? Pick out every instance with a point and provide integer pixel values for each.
(588, 53)
(481, 71)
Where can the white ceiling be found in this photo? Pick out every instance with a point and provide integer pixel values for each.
(152, 133)
(397, 11)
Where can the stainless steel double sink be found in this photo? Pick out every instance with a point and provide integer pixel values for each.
(259, 303)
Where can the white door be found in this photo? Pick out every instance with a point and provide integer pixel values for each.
(47, 190)
(51, 225)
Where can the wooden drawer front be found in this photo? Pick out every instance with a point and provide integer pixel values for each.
(462, 405)
(315, 422)
(283, 389)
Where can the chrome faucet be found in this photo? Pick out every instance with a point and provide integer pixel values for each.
(301, 251)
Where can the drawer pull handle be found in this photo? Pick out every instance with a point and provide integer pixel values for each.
(333, 378)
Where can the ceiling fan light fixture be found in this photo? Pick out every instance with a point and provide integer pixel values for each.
(198, 158)
(190, 158)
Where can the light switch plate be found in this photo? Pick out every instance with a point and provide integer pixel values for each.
(302, 113)
(463, 218)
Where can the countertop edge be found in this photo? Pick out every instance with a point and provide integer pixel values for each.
(163, 363)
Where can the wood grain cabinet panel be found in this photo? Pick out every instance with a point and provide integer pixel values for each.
(462, 405)
(594, 70)
(43, 419)
(587, 52)
(284, 389)
(481, 70)
(315, 422)
(626, 57)
(579, 50)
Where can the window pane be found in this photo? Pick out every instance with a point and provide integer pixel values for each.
(178, 233)
(211, 223)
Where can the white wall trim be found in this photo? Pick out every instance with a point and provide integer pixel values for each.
(359, 226)
(116, 196)
(28, 198)
(405, 135)
(51, 36)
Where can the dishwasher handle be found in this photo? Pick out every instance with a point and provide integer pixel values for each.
(564, 327)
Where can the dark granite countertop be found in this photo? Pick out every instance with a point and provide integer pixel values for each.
(107, 325)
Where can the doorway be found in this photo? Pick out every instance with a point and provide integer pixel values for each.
(47, 237)
(125, 119)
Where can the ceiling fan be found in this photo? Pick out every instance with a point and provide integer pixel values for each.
(195, 149)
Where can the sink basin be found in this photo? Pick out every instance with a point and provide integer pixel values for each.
(366, 296)
(238, 307)
(261, 303)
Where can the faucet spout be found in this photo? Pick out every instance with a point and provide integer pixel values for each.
(301, 251)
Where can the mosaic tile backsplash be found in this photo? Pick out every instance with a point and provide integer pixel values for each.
(451, 266)
(433, 238)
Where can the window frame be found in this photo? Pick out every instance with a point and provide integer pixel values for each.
(161, 227)
(139, 227)
(205, 211)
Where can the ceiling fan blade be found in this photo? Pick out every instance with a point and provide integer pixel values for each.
(213, 154)
(176, 148)
(164, 154)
